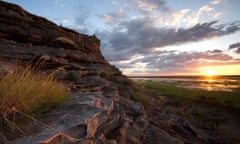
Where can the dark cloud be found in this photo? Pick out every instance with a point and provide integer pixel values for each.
(187, 59)
(174, 61)
(216, 51)
(238, 50)
(158, 3)
(142, 36)
(235, 46)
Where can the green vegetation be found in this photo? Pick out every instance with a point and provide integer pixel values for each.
(139, 94)
(26, 93)
(230, 99)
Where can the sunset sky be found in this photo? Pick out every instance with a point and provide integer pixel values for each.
(155, 37)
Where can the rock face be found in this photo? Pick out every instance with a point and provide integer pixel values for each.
(19, 26)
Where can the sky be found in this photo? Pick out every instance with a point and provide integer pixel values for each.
(155, 37)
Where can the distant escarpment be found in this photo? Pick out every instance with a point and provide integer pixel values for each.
(100, 109)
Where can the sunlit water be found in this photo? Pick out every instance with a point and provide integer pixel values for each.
(206, 83)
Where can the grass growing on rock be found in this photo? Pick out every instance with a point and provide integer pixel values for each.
(139, 94)
(26, 92)
(230, 99)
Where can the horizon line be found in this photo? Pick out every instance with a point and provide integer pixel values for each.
(136, 76)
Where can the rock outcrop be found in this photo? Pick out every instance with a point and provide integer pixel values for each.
(22, 27)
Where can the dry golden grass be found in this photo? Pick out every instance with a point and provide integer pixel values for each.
(66, 41)
(29, 92)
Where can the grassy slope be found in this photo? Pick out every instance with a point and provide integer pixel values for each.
(231, 99)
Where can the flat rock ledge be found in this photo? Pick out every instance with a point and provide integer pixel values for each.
(78, 122)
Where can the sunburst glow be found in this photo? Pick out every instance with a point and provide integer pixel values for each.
(210, 72)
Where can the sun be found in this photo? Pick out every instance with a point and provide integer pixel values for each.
(210, 72)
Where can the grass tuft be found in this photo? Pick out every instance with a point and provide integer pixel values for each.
(26, 91)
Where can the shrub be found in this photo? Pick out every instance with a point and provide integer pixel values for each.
(26, 92)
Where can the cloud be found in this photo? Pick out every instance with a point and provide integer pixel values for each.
(177, 16)
(195, 17)
(236, 47)
(115, 2)
(59, 3)
(178, 62)
(114, 17)
(216, 51)
(215, 2)
(173, 19)
(205, 8)
(161, 11)
(82, 14)
(141, 36)
(238, 50)
(139, 27)
(217, 15)
(63, 21)
(148, 5)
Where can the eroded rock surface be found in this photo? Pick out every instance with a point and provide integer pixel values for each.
(79, 120)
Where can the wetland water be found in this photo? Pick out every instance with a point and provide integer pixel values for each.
(218, 83)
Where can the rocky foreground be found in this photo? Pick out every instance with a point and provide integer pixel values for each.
(101, 109)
